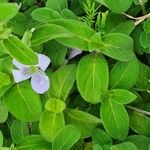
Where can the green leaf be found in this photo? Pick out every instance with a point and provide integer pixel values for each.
(62, 82)
(121, 96)
(48, 32)
(55, 105)
(85, 121)
(4, 79)
(101, 137)
(124, 146)
(23, 103)
(1, 138)
(57, 5)
(147, 25)
(8, 11)
(66, 138)
(141, 142)
(115, 119)
(81, 32)
(143, 83)
(140, 123)
(68, 14)
(97, 147)
(116, 23)
(122, 5)
(3, 111)
(18, 24)
(92, 77)
(44, 14)
(144, 39)
(115, 45)
(118, 46)
(124, 74)
(50, 124)
(19, 130)
(33, 142)
(56, 52)
(20, 51)
(5, 33)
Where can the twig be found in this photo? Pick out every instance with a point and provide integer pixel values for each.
(139, 110)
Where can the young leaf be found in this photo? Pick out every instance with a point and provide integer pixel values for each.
(55, 105)
(33, 142)
(121, 96)
(20, 51)
(50, 124)
(124, 146)
(85, 121)
(44, 14)
(48, 32)
(68, 14)
(3, 111)
(62, 82)
(19, 130)
(92, 77)
(140, 123)
(57, 5)
(115, 119)
(122, 5)
(124, 74)
(1, 139)
(23, 103)
(8, 11)
(66, 138)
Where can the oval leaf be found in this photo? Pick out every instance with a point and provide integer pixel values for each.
(63, 142)
(92, 77)
(23, 103)
(115, 119)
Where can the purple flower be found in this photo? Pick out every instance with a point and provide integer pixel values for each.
(39, 80)
(74, 52)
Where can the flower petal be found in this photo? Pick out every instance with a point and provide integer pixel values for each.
(20, 75)
(40, 83)
(74, 52)
(44, 61)
(19, 65)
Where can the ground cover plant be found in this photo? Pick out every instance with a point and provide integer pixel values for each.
(75, 75)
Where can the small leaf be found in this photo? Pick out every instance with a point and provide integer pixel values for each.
(115, 119)
(50, 124)
(57, 5)
(48, 32)
(92, 77)
(55, 105)
(63, 142)
(19, 130)
(124, 146)
(124, 74)
(121, 96)
(33, 142)
(85, 121)
(62, 82)
(144, 39)
(44, 14)
(20, 51)
(8, 11)
(23, 103)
